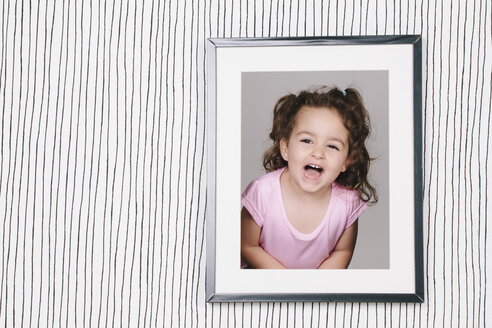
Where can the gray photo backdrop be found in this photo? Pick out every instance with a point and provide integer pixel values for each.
(259, 93)
(103, 190)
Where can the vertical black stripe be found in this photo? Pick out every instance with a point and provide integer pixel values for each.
(51, 281)
(434, 158)
(305, 18)
(26, 215)
(353, 18)
(200, 258)
(131, 165)
(246, 18)
(4, 299)
(407, 19)
(254, 17)
(461, 171)
(3, 80)
(427, 185)
(290, 18)
(116, 158)
(469, 254)
(178, 187)
(97, 171)
(473, 193)
(367, 17)
(394, 16)
(230, 21)
(127, 136)
(345, 14)
(29, 176)
(192, 169)
(453, 174)
(142, 278)
(224, 19)
(283, 18)
(59, 147)
(481, 231)
(439, 143)
(195, 264)
(124, 164)
(463, 135)
(336, 18)
(84, 168)
(22, 165)
(314, 18)
(360, 18)
(186, 162)
(139, 209)
(278, 18)
(140, 204)
(164, 162)
(486, 208)
(44, 157)
(399, 17)
(153, 240)
(17, 137)
(445, 171)
(67, 177)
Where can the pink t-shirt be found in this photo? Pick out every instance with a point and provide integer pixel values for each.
(278, 237)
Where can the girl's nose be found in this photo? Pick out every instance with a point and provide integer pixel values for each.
(318, 153)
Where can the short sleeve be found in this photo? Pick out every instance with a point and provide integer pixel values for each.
(256, 199)
(355, 207)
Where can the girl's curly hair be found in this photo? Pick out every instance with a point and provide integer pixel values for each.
(350, 107)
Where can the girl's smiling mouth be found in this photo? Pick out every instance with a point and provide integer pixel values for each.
(312, 171)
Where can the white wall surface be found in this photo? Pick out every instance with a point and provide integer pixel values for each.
(103, 189)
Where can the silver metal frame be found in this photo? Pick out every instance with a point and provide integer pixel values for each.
(213, 44)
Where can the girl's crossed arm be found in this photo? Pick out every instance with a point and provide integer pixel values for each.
(251, 252)
(342, 254)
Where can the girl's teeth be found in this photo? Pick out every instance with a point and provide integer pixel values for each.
(312, 171)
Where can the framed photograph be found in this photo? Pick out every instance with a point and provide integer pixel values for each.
(246, 77)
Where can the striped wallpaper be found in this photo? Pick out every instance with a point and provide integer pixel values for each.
(102, 159)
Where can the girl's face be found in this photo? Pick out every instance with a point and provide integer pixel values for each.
(317, 149)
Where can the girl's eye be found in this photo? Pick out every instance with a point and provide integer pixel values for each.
(308, 141)
(333, 147)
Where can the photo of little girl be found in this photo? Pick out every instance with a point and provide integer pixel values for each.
(302, 214)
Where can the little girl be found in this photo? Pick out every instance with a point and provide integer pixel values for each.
(303, 213)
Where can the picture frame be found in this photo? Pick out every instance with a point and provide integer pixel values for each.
(387, 70)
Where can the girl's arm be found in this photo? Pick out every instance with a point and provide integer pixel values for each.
(342, 254)
(251, 252)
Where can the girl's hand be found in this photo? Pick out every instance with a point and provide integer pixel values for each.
(251, 252)
(342, 254)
